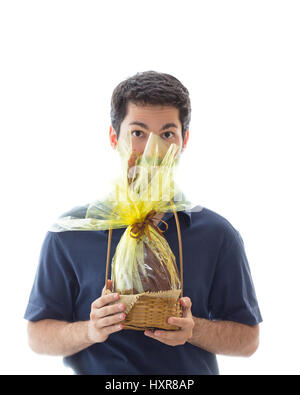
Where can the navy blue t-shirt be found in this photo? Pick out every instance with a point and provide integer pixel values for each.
(216, 277)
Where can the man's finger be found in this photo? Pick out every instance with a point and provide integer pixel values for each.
(181, 322)
(187, 304)
(104, 300)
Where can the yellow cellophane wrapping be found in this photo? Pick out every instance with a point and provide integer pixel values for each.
(146, 187)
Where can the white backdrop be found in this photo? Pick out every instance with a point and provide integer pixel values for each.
(60, 61)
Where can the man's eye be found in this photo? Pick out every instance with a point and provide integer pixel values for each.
(139, 133)
(169, 134)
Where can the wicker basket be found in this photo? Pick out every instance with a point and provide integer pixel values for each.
(151, 310)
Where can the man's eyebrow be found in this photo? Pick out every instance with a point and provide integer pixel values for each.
(143, 125)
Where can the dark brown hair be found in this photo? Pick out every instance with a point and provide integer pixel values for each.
(154, 88)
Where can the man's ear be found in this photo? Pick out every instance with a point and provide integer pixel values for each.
(186, 139)
(113, 137)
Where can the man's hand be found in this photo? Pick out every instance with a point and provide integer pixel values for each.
(186, 324)
(104, 319)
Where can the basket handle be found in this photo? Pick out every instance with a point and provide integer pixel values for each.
(179, 244)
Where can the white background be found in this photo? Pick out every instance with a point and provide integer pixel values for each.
(60, 61)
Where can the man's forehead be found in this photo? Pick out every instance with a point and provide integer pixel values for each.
(149, 112)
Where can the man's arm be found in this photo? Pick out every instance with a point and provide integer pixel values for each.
(54, 337)
(225, 337)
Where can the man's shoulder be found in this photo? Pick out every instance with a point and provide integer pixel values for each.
(61, 234)
(209, 217)
(214, 223)
(76, 212)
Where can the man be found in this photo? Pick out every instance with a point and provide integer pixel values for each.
(69, 316)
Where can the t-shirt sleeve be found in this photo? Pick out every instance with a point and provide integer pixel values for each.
(52, 294)
(232, 296)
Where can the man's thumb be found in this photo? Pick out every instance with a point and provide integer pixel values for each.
(109, 287)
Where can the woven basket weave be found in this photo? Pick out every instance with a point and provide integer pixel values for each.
(151, 310)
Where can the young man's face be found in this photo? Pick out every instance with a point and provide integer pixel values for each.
(162, 121)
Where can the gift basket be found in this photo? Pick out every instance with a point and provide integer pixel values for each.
(143, 269)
